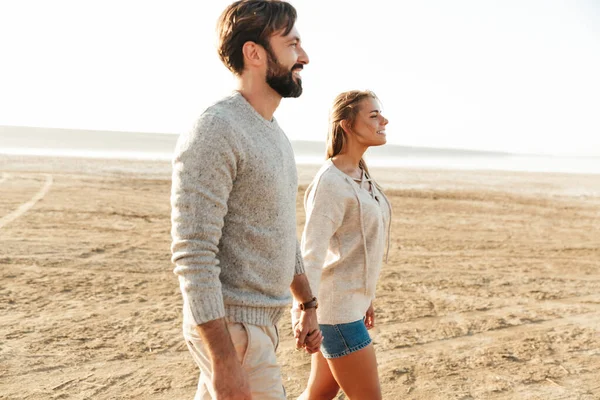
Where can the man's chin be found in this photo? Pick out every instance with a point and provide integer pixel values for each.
(292, 93)
(296, 93)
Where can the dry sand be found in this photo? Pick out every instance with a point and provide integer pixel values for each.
(492, 289)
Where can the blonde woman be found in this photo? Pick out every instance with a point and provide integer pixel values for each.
(343, 244)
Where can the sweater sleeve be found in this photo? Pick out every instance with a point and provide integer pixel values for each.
(299, 269)
(204, 169)
(324, 207)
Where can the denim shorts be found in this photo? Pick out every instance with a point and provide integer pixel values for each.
(342, 339)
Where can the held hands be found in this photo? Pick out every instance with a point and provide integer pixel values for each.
(370, 317)
(306, 330)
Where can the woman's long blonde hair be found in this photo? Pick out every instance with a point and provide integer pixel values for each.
(345, 108)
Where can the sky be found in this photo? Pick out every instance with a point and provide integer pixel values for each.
(503, 75)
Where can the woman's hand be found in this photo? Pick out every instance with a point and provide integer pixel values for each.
(312, 336)
(370, 317)
(307, 332)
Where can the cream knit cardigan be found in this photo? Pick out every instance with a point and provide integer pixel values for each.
(343, 244)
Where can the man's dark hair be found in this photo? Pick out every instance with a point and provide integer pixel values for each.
(251, 20)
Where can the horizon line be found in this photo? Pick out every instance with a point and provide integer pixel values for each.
(456, 149)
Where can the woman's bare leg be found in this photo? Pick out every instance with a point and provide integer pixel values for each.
(357, 374)
(321, 383)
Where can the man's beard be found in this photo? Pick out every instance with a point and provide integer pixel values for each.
(280, 79)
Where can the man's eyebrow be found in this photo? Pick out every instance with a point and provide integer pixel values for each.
(376, 111)
(294, 39)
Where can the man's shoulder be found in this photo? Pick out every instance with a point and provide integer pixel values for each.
(213, 128)
(227, 110)
(220, 118)
(222, 109)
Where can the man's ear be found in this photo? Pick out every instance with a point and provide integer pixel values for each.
(254, 54)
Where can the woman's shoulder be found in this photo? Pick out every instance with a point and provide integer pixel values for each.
(329, 176)
(329, 183)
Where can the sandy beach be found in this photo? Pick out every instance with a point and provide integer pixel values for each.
(491, 290)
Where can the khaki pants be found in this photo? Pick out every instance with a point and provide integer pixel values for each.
(255, 347)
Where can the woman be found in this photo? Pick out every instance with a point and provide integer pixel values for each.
(347, 219)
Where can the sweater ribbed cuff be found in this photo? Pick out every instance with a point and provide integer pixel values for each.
(207, 307)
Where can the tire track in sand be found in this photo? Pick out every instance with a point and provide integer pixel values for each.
(23, 208)
(589, 320)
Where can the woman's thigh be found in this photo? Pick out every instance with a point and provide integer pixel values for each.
(357, 375)
(321, 383)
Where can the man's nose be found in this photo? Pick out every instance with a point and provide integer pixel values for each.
(303, 57)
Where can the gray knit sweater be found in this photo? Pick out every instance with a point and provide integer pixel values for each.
(233, 216)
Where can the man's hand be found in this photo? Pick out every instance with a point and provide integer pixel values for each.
(306, 328)
(230, 381)
(313, 341)
(370, 317)
(307, 332)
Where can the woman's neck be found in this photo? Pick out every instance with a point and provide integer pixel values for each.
(349, 163)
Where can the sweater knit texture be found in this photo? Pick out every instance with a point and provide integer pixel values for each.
(343, 243)
(233, 217)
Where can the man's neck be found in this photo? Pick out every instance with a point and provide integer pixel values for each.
(260, 96)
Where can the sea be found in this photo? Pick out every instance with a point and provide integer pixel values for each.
(32, 141)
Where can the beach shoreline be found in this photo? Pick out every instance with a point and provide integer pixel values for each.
(491, 290)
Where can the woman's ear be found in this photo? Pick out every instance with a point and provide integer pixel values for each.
(345, 126)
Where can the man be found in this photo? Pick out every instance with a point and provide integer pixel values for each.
(234, 212)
